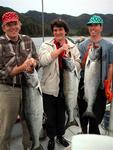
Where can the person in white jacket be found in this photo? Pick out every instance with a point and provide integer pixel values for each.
(50, 57)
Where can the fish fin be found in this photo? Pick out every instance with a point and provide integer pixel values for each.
(88, 63)
(70, 54)
(75, 73)
(72, 123)
(89, 115)
(39, 89)
(43, 134)
(68, 64)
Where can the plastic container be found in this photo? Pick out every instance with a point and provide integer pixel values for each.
(92, 142)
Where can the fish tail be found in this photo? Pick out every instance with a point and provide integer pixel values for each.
(72, 123)
(89, 115)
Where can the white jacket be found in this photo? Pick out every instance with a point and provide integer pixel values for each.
(50, 77)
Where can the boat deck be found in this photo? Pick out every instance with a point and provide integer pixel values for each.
(16, 137)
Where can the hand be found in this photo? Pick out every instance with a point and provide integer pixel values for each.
(65, 47)
(29, 64)
(32, 62)
(109, 95)
(108, 92)
(65, 50)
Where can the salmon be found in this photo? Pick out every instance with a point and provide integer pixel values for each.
(70, 87)
(92, 79)
(33, 105)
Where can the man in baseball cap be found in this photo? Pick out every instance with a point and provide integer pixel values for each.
(15, 49)
(95, 26)
(104, 92)
(11, 25)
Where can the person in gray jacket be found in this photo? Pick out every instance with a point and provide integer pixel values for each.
(50, 57)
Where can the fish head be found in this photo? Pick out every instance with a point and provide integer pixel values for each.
(31, 79)
(67, 62)
(95, 53)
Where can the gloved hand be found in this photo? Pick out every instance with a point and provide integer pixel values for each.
(108, 92)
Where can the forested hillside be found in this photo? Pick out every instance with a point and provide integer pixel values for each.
(32, 23)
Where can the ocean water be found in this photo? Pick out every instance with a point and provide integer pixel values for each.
(39, 40)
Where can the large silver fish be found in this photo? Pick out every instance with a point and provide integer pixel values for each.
(32, 104)
(70, 88)
(92, 79)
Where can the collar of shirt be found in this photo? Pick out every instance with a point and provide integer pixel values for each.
(9, 40)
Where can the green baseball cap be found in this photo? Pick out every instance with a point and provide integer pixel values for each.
(95, 20)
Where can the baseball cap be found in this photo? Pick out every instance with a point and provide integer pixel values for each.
(95, 20)
(9, 17)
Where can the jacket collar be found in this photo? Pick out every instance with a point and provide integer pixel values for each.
(51, 43)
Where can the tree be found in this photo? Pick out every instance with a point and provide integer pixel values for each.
(82, 31)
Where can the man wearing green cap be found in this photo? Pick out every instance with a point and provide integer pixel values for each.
(95, 28)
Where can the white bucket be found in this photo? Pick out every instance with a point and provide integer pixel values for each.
(92, 142)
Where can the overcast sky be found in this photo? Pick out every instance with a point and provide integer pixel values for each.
(70, 7)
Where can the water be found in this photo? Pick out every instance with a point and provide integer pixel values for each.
(39, 40)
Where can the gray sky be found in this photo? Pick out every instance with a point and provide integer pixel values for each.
(70, 7)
